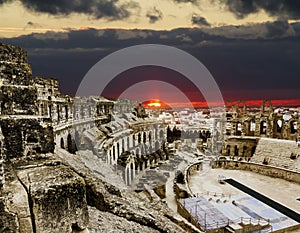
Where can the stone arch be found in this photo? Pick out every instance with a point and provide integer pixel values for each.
(66, 112)
(132, 172)
(70, 144)
(253, 150)
(244, 153)
(161, 134)
(279, 125)
(62, 143)
(228, 150)
(110, 157)
(133, 140)
(114, 153)
(239, 129)
(236, 150)
(252, 126)
(293, 127)
(263, 127)
(118, 150)
(50, 110)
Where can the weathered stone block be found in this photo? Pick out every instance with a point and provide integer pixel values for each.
(57, 198)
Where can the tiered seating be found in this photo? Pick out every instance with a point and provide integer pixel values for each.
(277, 153)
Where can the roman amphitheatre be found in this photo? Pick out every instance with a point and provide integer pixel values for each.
(92, 164)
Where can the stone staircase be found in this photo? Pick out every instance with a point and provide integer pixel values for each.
(277, 153)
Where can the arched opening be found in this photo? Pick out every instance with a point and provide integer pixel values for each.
(236, 151)
(144, 137)
(67, 112)
(114, 153)
(62, 143)
(32, 139)
(133, 140)
(71, 144)
(161, 134)
(132, 172)
(141, 166)
(150, 136)
(228, 150)
(239, 129)
(253, 150)
(293, 127)
(110, 158)
(139, 138)
(245, 148)
(42, 109)
(118, 149)
(263, 127)
(128, 145)
(279, 126)
(252, 126)
(50, 110)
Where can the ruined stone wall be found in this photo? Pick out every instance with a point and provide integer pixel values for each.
(265, 123)
(27, 136)
(239, 146)
(12, 53)
(261, 169)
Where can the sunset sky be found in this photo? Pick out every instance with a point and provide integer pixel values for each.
(251, 47)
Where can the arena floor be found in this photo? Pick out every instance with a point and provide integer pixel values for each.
(205, 183)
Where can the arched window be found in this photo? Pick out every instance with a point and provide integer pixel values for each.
(293, 127)
(62, 143)
(236, 151)
(263, 127)
(279, 126)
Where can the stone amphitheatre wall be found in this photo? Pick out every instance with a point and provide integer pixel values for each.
(261, 169)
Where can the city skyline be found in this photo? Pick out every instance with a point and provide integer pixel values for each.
(251, 49)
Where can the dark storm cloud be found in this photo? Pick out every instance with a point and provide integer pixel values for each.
(110, 9)
(154, 15)
(199, 20)
(237, 60)
(287, 9)
(5, 1)
(277, 28)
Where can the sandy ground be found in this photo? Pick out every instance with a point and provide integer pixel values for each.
(282, 191)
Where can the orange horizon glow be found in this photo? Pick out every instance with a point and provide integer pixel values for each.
(202, 104)
(155, 103)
